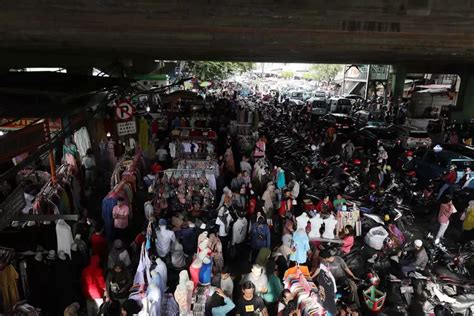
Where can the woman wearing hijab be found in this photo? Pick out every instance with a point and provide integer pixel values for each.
(259, 236)
(216, 247)
(118, 254)
(118, 283)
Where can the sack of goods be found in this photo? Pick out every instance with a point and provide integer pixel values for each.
(376, 237)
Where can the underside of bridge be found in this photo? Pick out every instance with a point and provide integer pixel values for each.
(82, 32)
(423, 36)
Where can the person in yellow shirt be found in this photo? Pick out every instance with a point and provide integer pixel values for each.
(468, 223)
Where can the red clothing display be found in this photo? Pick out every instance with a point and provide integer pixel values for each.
(93, 283)
(324, 207)
(99, 245)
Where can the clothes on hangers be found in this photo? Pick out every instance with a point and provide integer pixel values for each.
(9, 287)
(82, 140)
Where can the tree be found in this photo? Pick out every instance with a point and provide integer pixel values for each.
(325, 72)
(213, 70)
(287, 74)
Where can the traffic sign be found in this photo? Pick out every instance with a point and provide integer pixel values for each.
(124, 110)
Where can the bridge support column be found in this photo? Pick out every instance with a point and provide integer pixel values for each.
(398, 80)
(465, 104)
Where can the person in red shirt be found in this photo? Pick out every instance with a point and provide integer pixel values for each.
(449, 181)
(93, 285)
(99, 244)
(325, 205)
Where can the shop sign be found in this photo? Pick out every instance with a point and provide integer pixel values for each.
(54, 124)
(12, 205)
(124, 110)
(126, 128)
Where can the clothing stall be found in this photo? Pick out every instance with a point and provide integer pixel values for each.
(123, 185)
(185, 190)
(306, 293)
(193, 143)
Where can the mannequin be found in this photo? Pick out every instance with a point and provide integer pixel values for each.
(162, 271)
(302, 221)
(316, 223)
(258, 278)
(184, 292)
(205, 272)
(154, 297)
(301, 244)
(203, 253)
(330, 224)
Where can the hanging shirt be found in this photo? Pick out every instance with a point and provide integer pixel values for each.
(122, 211)
(8, 287)
(172, 147)
(64, 237)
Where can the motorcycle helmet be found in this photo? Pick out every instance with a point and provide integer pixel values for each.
(373, 278)
(357, 162)
(372, 185)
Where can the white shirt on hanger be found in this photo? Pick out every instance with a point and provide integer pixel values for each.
(172, 147)
(64, 237)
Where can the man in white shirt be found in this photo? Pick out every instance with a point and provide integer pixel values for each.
(164, 239)
(224, 220)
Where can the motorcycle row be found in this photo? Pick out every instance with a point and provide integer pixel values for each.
(296, 144)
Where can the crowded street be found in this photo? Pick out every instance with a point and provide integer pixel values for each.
(240, 158)
(224, 204)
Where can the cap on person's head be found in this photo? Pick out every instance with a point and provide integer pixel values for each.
(381, 148)
(162, 222)
(418, 243)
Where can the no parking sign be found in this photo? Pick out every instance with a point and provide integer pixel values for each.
(124, 110)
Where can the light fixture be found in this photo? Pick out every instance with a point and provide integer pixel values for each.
(2, 133)
(148, 109)
(108, 134)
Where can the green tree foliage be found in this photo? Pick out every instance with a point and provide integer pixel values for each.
(213, 70)
(325, 72)
(287, 74)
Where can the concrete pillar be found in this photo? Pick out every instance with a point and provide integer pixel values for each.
(398, 80)
(464, 109)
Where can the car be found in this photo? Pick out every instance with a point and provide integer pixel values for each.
(342, 123)
(297, 95)
(368, 118)
(318, 107)
(434, 163)
(412, 137)
(340, 105)
(375, 136)
(320, 96)
(461, 149)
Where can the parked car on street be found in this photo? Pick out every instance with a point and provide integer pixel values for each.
(368, 118)
(375, 136)
(340, 105)
(318, 107)
(433, 164)
(412, 137)
(342, 123)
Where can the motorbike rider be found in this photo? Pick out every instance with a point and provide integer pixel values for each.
(382, 156)
(421, 259)
(449, 181)
(340, 271)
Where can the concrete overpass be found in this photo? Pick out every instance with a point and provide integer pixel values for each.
(79, 34)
